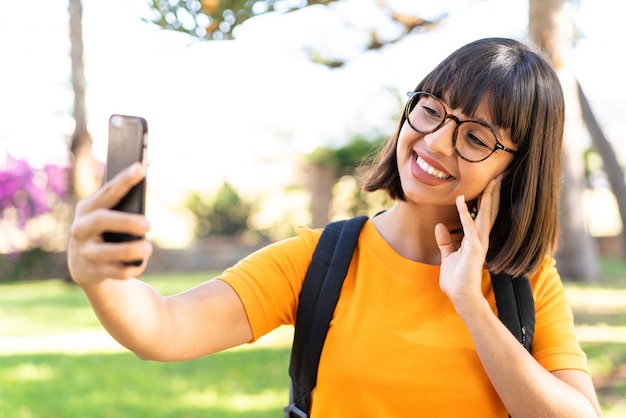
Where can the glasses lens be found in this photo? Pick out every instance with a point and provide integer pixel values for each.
(426, 114)
(474, 141)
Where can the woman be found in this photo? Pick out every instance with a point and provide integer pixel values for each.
(473, 169)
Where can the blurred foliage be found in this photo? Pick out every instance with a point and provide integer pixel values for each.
(349, 200)
(22, 265)
(216, 19)
(348, 158)
(225, 213)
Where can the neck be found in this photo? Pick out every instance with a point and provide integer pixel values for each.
(410, 229)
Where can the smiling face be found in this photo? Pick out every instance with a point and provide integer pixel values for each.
(525, 99)
(431, 172)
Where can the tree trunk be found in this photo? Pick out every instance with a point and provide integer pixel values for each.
(321, 182)
(577, 255)
(84, 174)
(612, 167)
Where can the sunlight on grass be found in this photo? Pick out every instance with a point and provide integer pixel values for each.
(71, 342)
(28, 372)
(54, 317)
(597, 300)
(265, 400)
(599, 314)
(601, 332)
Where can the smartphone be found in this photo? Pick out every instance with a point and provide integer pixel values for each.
(128, 136)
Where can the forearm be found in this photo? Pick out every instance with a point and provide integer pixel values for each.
(525, 387)
(131, 311)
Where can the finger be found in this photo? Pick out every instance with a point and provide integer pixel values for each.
(103, 220)
(483, 220)
(94, 260)
(444, 240)
(489, 203)
(114, 270)
(113, 190)
(487, 212)
(495, 199)
(119, 252)
(464, 213)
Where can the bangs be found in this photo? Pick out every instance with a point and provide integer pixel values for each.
(502, 76)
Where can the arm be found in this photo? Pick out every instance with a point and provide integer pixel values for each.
(524, 386)
(205, 319)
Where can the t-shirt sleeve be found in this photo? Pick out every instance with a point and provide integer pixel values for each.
(555, 345)
(268, 281)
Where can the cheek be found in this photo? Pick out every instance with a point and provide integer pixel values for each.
(406, 140)
(474, 182)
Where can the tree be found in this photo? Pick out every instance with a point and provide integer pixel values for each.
(216, 19)
(225, 213)
(325, 166)
(611, 165)
(577, 255)
(84, 175)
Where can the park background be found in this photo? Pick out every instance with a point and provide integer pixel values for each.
(248, 112)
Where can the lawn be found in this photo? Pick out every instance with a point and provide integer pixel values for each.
(56, 360)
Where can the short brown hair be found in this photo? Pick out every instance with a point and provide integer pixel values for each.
(525, 96)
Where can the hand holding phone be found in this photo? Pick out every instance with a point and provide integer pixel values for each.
(127, 144)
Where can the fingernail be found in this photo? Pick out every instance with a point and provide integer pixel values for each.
(145, 224)
(136, 169)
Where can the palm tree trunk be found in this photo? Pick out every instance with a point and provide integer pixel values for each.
(577, 256)
(84, 173)
(321, 180)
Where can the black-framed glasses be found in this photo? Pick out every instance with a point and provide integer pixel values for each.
(473, 140)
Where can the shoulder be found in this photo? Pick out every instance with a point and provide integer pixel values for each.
(546, 279)
(309, 236)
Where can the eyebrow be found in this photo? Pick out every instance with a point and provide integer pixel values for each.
(488, 123)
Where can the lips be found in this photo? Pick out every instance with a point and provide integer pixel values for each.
(431, 170)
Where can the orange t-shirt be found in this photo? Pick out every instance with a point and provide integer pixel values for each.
(396, 346)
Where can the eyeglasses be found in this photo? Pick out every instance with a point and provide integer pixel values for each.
(473, 141)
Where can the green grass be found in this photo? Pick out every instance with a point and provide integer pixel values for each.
(57, 361)
(600, 316)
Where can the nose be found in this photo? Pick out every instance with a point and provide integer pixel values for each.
(441, 140)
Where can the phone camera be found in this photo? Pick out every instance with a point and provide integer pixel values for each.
(116, 121)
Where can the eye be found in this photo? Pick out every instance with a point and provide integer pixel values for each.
(475, 141)
(430, 111)
(430, 108)
(476, 136)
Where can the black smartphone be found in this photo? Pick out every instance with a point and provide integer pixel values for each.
(128, 136)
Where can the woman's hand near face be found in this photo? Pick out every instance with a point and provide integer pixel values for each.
(90, 259)
(462, 268)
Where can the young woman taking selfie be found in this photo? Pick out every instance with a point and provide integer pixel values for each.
(474, 173)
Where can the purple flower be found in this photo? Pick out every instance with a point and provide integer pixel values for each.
(32, 192)
(57, 178)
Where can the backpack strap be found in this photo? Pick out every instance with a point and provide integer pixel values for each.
(318, 297)
(516, 306)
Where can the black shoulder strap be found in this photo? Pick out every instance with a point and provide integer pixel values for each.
(320, 293)
(516, 306)
(318, 297)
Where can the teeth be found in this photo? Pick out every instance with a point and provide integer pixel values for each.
(430, 170)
